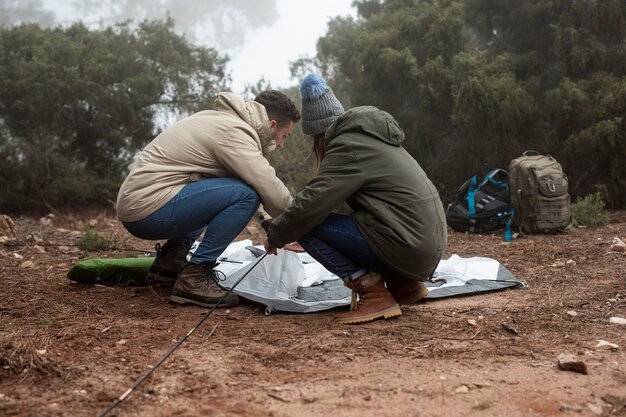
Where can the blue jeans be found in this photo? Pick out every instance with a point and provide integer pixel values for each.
(338, 244)
(223, 206)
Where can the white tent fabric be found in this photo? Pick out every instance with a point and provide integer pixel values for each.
(277, 280)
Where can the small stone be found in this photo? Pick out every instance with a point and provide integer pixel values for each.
(618, 245)
(62, 230)
(17, 256)
(570, 262)
(618, 320)
(471, 322)
(27, 264)
(463, 389)
(6, 239)
(92, 223)
(41, 352)
(510, 328)
(34, 237)
(596, 408)
(39, 249)
(121, 342)
(567, 407)
(568, 362)
(572, 313)
(558, 264)
(64, 249)
(7, 227)
(603, 344)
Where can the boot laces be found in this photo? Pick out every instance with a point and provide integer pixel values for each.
(356, 299)
(213, 275)
(159, 250)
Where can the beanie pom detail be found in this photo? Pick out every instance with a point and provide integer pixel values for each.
(312, 87)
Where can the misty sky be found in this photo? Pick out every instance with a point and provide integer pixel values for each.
(261, 37)
(293, 34)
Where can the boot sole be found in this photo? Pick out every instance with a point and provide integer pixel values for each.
(186, 301)
(389, 313)
(415, 297)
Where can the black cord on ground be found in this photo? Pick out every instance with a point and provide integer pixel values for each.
(180, 342)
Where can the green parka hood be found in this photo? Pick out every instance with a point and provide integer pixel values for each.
(370, 121)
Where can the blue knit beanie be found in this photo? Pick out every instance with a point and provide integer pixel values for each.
(320, 107)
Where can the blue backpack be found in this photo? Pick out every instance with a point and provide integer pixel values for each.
(482, 205)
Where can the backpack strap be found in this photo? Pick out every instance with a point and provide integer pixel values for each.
(508, 234)
(490, 177)
(471, 197)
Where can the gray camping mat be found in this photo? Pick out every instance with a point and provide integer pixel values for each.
(297, 283)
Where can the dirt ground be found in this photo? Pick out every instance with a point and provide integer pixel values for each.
(70, 350)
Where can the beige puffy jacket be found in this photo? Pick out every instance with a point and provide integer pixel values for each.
(231, 140)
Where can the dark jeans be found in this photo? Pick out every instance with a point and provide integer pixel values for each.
(338, 244)
(223, 206)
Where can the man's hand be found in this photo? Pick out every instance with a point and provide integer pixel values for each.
(269, 248)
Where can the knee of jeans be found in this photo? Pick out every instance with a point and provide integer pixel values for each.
(250, 196)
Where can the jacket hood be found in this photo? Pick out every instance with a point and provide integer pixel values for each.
(252, 113)
(370, 121)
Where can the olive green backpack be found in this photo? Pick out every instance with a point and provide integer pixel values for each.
(539, 194)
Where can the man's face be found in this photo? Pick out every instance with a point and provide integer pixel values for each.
(281, 132)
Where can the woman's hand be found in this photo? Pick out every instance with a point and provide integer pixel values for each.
(294, 247)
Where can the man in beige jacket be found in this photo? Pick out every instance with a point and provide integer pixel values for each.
(207, 172)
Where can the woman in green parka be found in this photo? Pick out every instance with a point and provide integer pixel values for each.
(396, 234)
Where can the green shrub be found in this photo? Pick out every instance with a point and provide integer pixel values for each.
(92, 241)
(589, 210)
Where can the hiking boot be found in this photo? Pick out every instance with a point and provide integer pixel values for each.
(198, 284)
(170, 260)
(404, 290)
(374, 301)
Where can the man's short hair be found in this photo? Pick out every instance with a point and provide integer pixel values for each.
(279, 107)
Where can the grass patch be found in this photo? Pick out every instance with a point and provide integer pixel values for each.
(92, 241)
(589, 211)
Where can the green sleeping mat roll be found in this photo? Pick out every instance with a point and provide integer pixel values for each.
(123, 271)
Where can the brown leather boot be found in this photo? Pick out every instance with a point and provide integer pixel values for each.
(197, 284)
(374, 301)
(170, 260)
(404, 290)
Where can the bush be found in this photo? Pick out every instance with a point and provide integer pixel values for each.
(92, 241)
(589, 210)
(77, 104)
